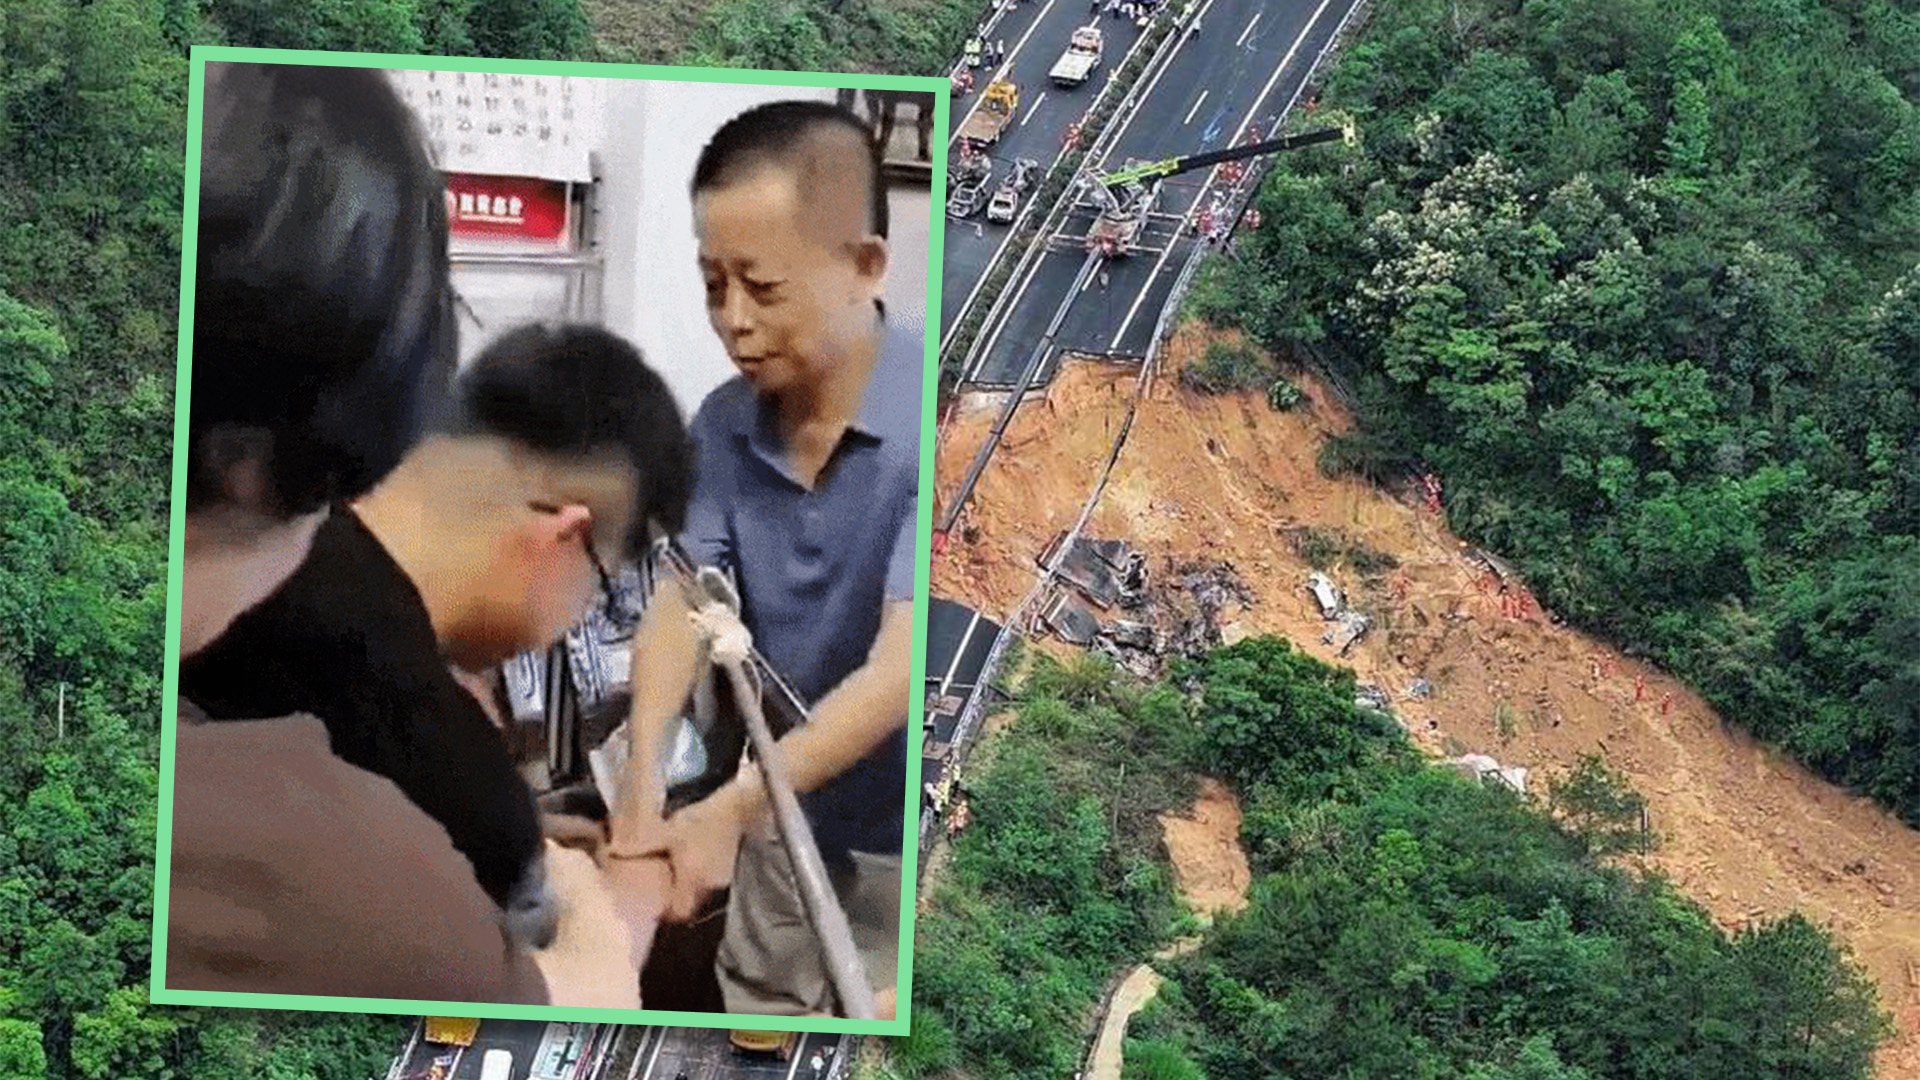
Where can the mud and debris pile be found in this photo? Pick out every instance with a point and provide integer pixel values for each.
(1108, 601)
(1200, 597)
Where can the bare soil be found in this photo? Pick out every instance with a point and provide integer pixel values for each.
(1209, 867)
(1743, 830)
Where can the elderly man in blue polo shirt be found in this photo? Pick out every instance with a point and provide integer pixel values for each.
(806, 488)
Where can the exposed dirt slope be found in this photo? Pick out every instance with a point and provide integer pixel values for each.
(1746, 832)
(1211, 873)
(1209, 867)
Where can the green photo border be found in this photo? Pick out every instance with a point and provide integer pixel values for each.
(199, 57)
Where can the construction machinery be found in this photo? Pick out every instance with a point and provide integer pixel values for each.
(451, 1030)
(1076, 65)
(1124, 200)
(997, 107)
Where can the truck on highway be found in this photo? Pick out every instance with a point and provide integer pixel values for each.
(997, 106)
(778, 1043)
(1077, 64)
(451, 1030)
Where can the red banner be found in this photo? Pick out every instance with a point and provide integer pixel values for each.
(506, 206)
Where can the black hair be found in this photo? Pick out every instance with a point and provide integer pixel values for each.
(323, 325)
(778, 133)
(574, 389)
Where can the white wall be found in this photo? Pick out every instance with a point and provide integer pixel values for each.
(653, 294)
(909, 214)
(646, 136)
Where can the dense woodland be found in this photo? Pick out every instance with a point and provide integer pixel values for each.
(1059, 881)
(1640, 280)
(92, 121)
(1404, 922)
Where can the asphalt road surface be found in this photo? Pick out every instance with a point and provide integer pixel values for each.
(520, 1037)
(705, 1054)
(1238, 72)
(1036, 33)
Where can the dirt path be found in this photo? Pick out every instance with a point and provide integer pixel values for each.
(1210, 870)
(1135, 991)
(1744, 831)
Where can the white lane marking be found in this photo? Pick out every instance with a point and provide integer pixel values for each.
(1244, 34)
(1000, 72)
(1034, 108)
(1238, 131)
(1196, 106)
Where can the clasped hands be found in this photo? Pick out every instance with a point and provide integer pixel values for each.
(699, 842)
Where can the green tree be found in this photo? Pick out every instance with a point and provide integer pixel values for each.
(124, 1038)
(21, 1055)
(1271, 716)
(1597, 804)
(533, 29)
(1636, 278)
(1146, 1059)
(1689, 138)
(1794, 1006)
(345, 25)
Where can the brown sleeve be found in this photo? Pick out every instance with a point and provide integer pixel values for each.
(294, 872)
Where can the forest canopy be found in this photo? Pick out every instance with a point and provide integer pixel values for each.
(1640, 280)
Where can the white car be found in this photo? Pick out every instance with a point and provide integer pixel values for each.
(1005, 201)
(497, 1065)
(1006, 198)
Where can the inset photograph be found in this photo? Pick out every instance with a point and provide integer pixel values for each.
(550, 556)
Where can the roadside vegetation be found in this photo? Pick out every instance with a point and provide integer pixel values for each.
(1059, 880)
(894, 37)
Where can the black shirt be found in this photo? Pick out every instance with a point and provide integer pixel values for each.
(348, 639)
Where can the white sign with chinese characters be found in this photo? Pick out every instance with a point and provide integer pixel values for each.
(506, 125)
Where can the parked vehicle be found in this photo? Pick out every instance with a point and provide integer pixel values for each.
(1077, 64)
(997, 107)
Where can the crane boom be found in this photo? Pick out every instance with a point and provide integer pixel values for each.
(1174, 166)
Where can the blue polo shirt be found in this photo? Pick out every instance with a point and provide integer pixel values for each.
(815, 567)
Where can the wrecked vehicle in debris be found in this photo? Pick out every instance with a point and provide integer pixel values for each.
(1109, 572)
(1349, 628)
(1326, 594)
(1369, 696)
